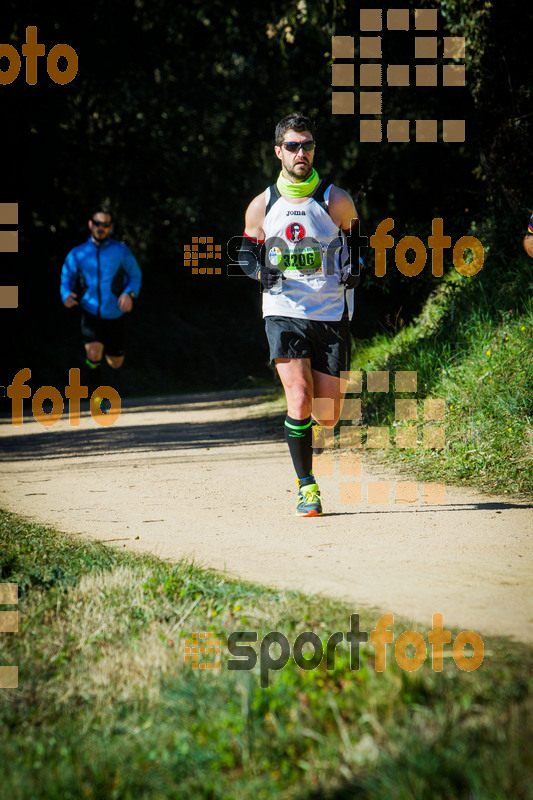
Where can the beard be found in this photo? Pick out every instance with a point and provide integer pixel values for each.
(299, 176)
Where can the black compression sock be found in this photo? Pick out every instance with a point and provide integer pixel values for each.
(299, 438)
(93, 370)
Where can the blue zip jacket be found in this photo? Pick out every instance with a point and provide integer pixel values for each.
(99, 275)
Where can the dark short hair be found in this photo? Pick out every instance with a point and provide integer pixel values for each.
(103, 208)
(293, 122)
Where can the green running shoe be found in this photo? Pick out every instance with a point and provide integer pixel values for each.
(309, 501)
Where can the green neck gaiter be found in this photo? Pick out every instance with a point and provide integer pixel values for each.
(301, 189)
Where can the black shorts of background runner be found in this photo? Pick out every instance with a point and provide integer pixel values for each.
(108, 331)
(326, 344)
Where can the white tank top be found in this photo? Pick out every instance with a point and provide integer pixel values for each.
(311, 288)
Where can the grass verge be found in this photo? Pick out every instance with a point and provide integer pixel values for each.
(107, 708)
(473, 347)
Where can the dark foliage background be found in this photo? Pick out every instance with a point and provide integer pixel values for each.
(171, 118)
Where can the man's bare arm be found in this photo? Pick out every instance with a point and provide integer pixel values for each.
(255, 218)
(254, 235)
(342, 208)
(344, 214)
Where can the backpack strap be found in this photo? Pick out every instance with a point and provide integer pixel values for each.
(319, 194)
(274, 196)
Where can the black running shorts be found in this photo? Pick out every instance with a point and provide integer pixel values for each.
(108, 331)
(326, 344)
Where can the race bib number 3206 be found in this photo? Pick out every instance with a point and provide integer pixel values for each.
(301, 261)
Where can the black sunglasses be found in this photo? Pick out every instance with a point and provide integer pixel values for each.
(293, 147)
(99, 224)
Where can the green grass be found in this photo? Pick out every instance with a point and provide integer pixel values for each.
(107, 708)
(472, 345)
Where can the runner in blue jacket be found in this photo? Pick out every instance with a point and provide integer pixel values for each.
(102, 277)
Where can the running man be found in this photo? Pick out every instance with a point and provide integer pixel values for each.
(298, 239)
(103, 277)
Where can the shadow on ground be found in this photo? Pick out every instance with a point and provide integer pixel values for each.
(161, 436)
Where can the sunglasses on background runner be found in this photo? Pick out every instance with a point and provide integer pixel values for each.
(99, 224)
(293, 147)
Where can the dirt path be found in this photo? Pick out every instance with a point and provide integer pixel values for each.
(209, 476)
